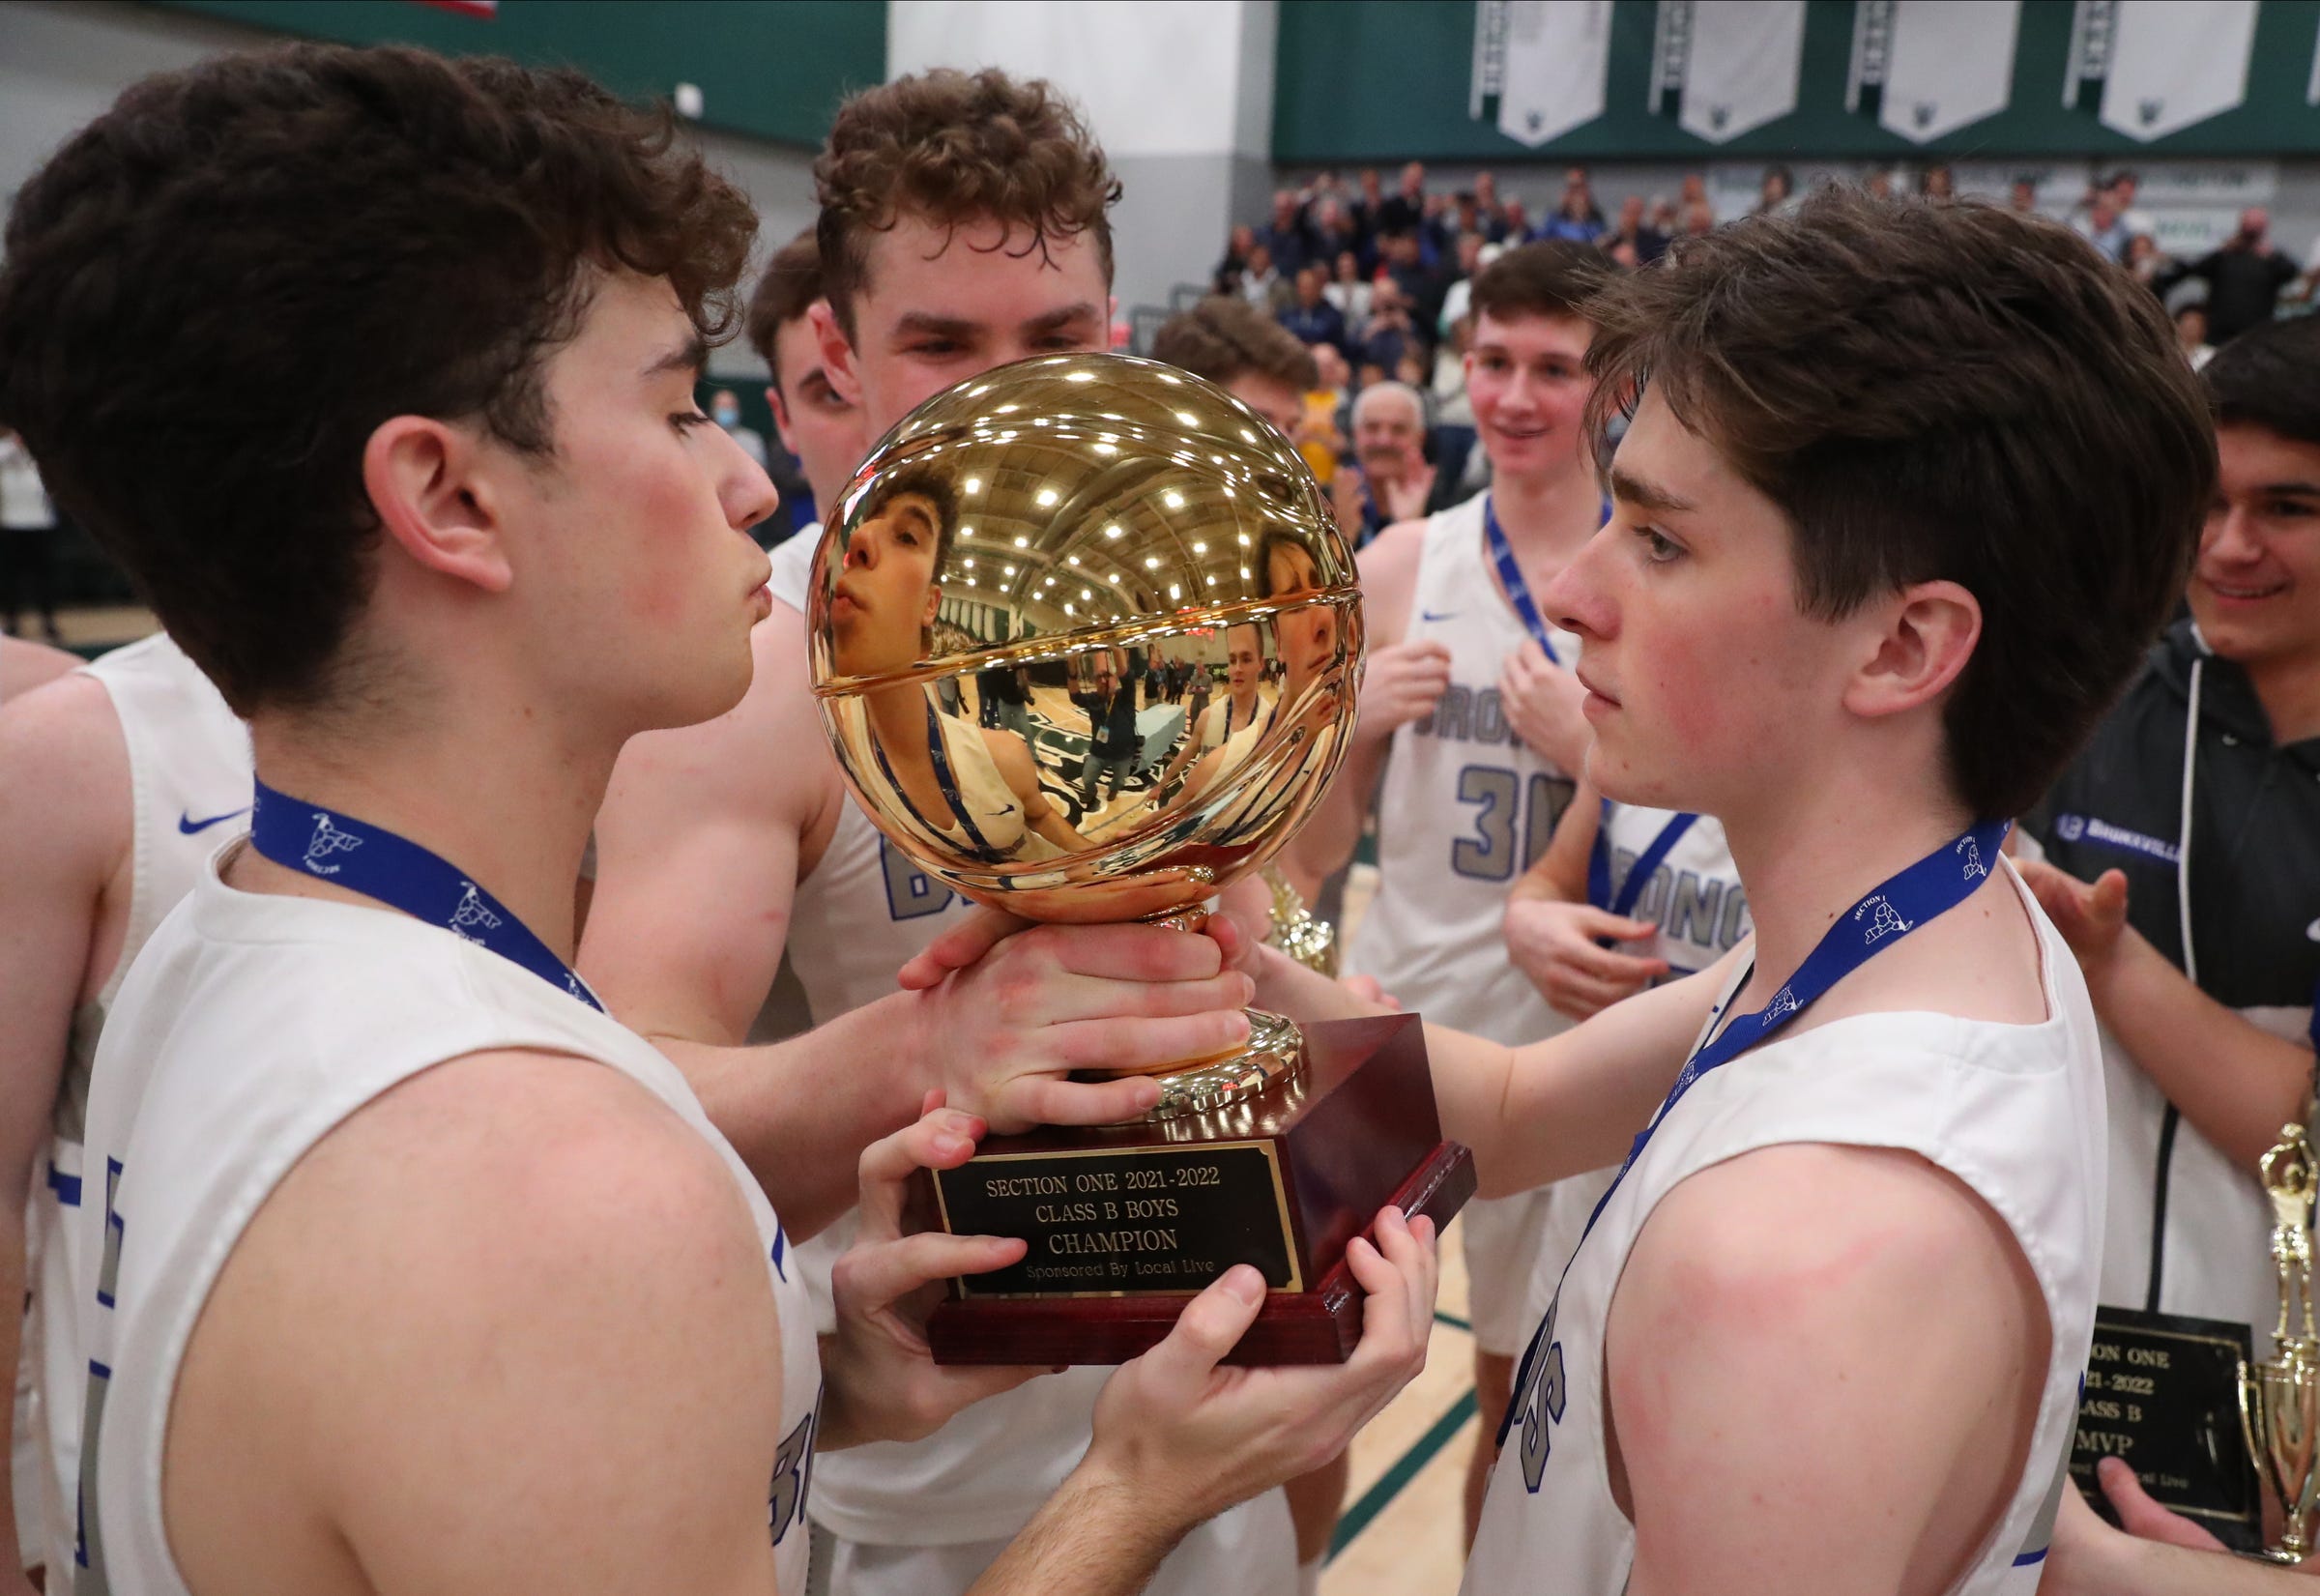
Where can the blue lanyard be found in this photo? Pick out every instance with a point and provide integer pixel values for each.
(983, 851)
(400, 874)
(1639, 874)
(1510, 576)
(1934, 885)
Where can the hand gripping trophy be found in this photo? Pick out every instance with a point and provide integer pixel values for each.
(1071, 527)
(2279, 1399)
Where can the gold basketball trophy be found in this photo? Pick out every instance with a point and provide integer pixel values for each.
(2279, 1399)
(989, 615)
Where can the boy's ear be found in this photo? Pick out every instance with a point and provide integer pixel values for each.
(1930, 630)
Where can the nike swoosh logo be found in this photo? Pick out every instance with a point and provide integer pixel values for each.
(187, 824)
(1009, 810)
(1446, 615)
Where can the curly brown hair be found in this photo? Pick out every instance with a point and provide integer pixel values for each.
(1549, 279)
(951, 148)
(216, 292)
(1942, 391)
(1221, 338)
(792, 282)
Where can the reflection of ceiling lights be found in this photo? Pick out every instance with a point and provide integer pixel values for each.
(1216, 459)
(1244, 540)
(1067, 609)
(969, 564)
(1188, 418)
(1004, 409)
(1152, 561)
(1112, 531)
(1173, 500)
(1022, 542)
(975, 485)
(1107, 449)
(1175, 591)
(1047, 496)
(1244, 573)
(1085, 593)
(1199, 548)
(1212, 579)
(1078, 376)
(1248, 435)
(1071, 559)
(1009, 569)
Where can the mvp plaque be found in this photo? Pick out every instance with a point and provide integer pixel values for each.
(2162, 1394)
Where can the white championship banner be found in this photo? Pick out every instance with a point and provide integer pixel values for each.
(1545, 63)
(2162, 66)
(1729, 67)
(1927, 68)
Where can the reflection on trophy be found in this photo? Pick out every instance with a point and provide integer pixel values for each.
(2279, 1399)
(1078, 525)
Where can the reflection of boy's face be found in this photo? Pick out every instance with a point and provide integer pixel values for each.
(1307, 635)
(1244, 658)
(885, 596)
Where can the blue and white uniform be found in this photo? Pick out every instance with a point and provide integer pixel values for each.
(2015, 1112)
(250, 1029)
(188, 791)
(1463, 809)
(1694, 896)
(926, 1517)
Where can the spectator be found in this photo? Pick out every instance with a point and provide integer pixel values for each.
(1666, 220)
(1405, 211)
(2144, 261)
(1369, 212)
(1879, 183)
(1517, 220)
(1333, 233)
(1112, 741)
(1285, 236)
(2101, 226)
(1694, 190)
(2191, 334)
(1644, 243)
(28, 538)
(1259, 284)
(1395, 482)
(1313, 318)
(1698, 220)
(1576, 219)
(1454, 303)
(1156, 679)
(1937, 182)
(1778, 194)
(1493, 216)
(726, 411)
(2023, 196)
(1390, 332)
(1241, 242)
(1350, 295)
(2243, 278)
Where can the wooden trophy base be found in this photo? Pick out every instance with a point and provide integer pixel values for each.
(1126, 1222)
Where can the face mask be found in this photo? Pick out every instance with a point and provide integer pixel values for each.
(726, 415)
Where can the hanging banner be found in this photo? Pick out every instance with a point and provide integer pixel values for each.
(1927, 68)
(1726, 69)
(2152, 68)
(1551, 60)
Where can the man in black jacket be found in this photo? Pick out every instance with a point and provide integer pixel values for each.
(2243, 278)
(1112, 741)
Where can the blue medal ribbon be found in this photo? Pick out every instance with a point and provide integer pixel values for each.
(1639, 875)
(981, 847)
(1932, 886)
(400, 874)
(1510, 576)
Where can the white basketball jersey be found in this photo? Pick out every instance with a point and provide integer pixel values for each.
(189, 793)
(251, 1028)
(2015, 1112)
(1465, 807)
(1694, 896)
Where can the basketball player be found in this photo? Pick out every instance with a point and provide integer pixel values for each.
(367, 1177)
(24, 665)
(2185, 864)
(1244, 703)
(970, 789)
(722, 843)
(819, 427)
(1878, 559)
(1463, 802)
(122, 779)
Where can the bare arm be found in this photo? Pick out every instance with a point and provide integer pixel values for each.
(582, 1396)
(2238, 1085)
(1021, 772)
(1400, 684)
(1764, 1298)
(65, 834)
(24, 666)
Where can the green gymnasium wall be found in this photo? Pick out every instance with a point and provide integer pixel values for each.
(773, 68)
(1381, 80)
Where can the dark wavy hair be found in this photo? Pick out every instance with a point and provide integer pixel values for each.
(1226, 338)
(792, 282)
(1942, 391)
(952, 148)
(219, 290)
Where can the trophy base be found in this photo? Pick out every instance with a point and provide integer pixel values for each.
(1126, 1222)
